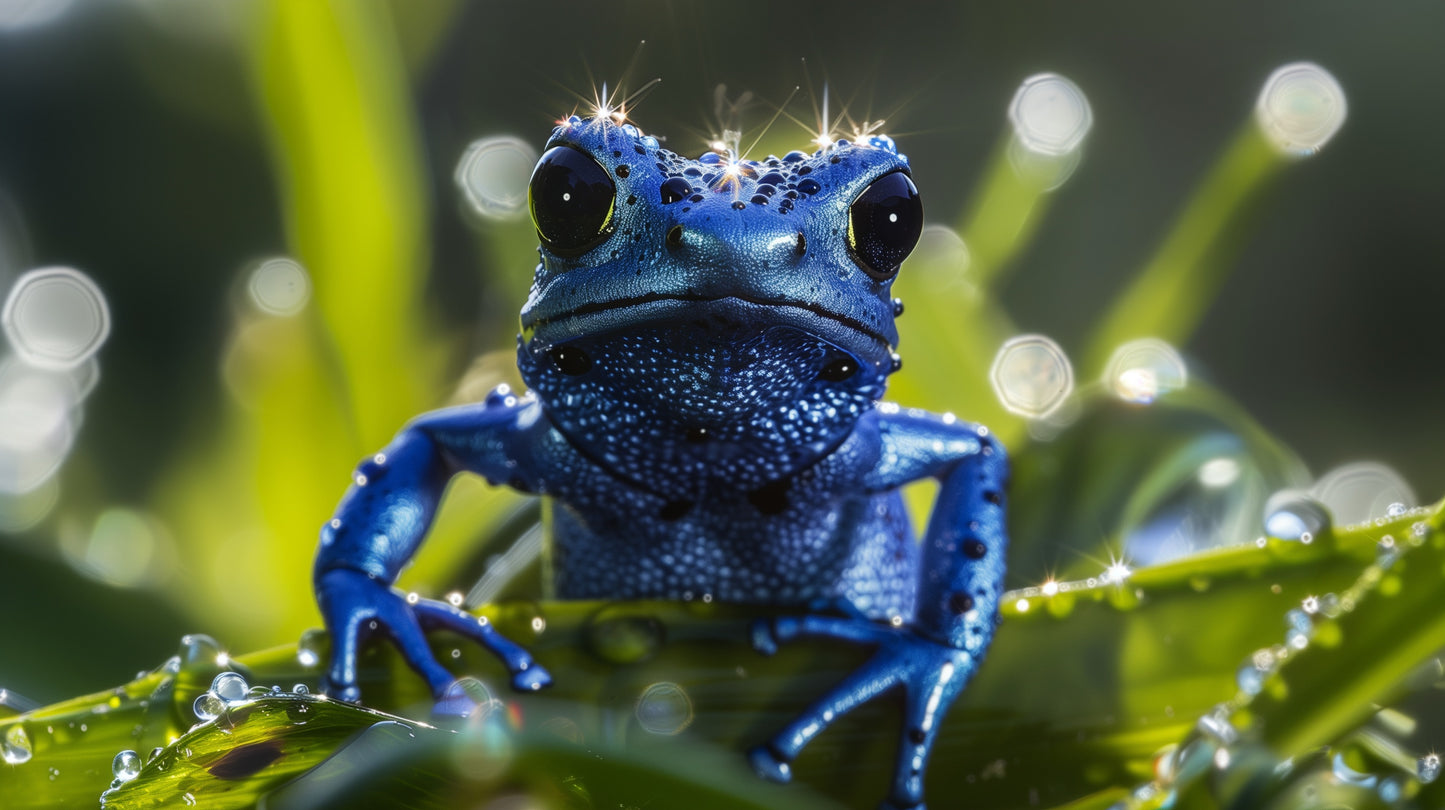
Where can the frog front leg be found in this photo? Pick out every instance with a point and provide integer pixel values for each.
(382, 520)
(932, 658)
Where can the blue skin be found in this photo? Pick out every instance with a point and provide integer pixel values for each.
(704, 419)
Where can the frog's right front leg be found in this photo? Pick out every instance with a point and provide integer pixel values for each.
(382, 520)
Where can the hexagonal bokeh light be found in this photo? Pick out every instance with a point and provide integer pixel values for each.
(1032, 376)
(1050, 114)
(493, 174)
(55, 317)
(1140, 371)
(1300, 108)
(279, 286)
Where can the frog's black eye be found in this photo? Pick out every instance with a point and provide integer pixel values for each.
(884, 224)
(571, 198)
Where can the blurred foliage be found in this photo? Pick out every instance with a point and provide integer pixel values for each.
(1092, 695)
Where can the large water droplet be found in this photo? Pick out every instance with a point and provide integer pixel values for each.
(230, 687)
(15, 747)
(622, 635)
(126, 766)
(208, 707)
(1293, 515)
(664, 708)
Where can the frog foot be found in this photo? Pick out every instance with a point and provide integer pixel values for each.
(931, 675)
(356, 605)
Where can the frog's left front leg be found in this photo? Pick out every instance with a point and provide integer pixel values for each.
(960, 583)
(383, 519)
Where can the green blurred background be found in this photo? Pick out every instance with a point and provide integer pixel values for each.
(163, 147)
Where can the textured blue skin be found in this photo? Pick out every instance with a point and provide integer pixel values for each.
(701, 453)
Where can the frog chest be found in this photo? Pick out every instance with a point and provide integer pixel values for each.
(814, 536)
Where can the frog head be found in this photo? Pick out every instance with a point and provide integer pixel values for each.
(718, 311)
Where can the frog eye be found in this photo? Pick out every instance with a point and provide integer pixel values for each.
(571, 198)
(884, 224)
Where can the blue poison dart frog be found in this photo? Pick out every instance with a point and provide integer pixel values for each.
(706, 343)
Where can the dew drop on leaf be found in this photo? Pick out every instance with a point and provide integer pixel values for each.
(125, 766)
(16, 745)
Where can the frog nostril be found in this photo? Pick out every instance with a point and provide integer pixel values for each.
(801, 246)
(674, 237)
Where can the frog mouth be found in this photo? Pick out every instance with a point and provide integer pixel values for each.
(605, 316)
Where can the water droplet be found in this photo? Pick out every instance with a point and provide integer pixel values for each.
(55, 317)
(1140, 371)
(1342, 771)
(493, 174)
(1300, 108)
(619, 634)
(1356, 493)
(1249, 679)
(664, 708)
(1217, 727)
(1293, 515)
(208, 707)
(1050, 115)
(1031, 376)
(279, 286)
(1300, 628)
(309, 648)
(300, 689)
(1329, 606)
(199, 649)
(1427, 768)
(126, 766)
(16, 745)
(230, 687)
(1396, 509)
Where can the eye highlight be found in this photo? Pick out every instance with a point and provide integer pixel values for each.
(884, 224)
(571, 198)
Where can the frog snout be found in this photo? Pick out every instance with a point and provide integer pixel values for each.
(742, 249)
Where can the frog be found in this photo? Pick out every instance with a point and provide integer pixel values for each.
(706, 345)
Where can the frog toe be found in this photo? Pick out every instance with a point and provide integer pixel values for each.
(531, 678)
(763, 637)
(770, 765)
